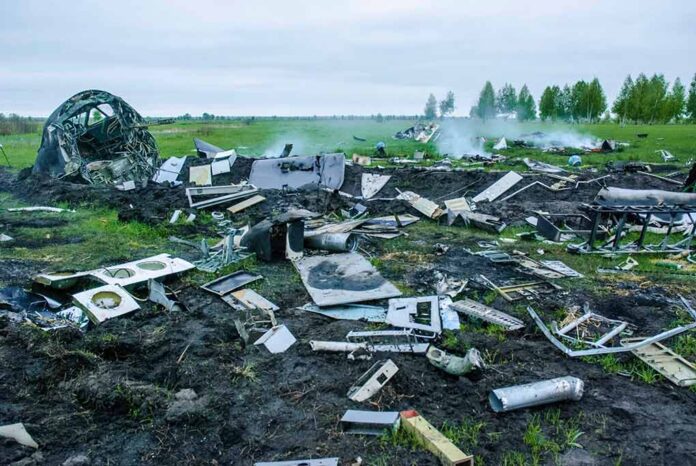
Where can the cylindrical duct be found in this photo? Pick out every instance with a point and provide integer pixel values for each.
(537, 393)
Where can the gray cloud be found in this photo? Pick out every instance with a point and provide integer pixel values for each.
(312, 57)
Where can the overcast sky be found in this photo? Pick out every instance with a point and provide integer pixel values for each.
(301, 57)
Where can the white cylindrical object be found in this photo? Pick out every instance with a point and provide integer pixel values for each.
(537, 393)
(342, 346)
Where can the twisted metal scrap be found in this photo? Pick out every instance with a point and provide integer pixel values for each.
(116, 149)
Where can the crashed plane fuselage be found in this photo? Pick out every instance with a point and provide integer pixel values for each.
(98, 136)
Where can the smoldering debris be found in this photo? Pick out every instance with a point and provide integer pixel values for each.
(277, 344)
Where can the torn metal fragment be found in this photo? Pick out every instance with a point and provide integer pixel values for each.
(455, 365)
(488, 314)
(245, 204)
(169, 171)
(421, 314)
(372, 380)
(175, 216)
(598, 346)
(19, 434)
(158, 295)
(343, 279)
(223, 285)
(371, 184)
(293, 172)
(277, 340)
(227, 194)
(672, 366)
(494, 191)
(561, 268)
(250, 299)
(315, 462)
(349, 312)
(482, 221)
(395, 341)
(521, 290)
(421, 204)
(369, 422)
(455, 207)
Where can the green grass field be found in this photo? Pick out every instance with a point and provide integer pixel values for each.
(324, 135)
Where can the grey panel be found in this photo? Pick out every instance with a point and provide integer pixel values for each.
(293, 172)
(343, 279)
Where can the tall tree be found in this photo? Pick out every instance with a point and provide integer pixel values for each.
(620, 106)
(691, 102)
(579, 102)
(657, 93)
(447, 104)
(564, 103)
(549, 103)
(485, 108)
(526, 108)
(430, 111)
(677, 99)
(596, 100)
(506, 99)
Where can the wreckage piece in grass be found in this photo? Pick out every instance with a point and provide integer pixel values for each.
(293, 172)
(99, 137)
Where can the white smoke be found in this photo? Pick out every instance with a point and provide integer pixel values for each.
(462, 137)
(459, 138)
(300, 146)
(556, 138)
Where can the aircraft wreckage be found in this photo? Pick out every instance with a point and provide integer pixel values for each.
(99, 137)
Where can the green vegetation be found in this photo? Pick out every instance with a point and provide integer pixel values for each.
(331, 135)
(546, 437)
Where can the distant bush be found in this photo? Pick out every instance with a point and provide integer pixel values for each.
(15, 124)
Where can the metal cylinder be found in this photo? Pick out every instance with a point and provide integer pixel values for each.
(537, 393)
(338, 242)
(340, 346)
(614, 196)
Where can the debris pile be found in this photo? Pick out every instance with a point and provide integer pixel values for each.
(328, 221)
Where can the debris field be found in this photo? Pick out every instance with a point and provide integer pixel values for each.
(312, 310)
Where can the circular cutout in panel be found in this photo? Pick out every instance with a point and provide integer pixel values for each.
(106, 299)
(151, 265)
(119, 272)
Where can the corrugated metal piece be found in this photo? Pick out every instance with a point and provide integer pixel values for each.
(492, 192)
(675, 368)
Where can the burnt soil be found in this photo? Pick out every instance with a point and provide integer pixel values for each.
(109, 394)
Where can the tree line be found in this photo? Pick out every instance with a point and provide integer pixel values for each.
(506, 101)
(645, 100)
(15, 124)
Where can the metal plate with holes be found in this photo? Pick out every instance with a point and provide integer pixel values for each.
(372, 380)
